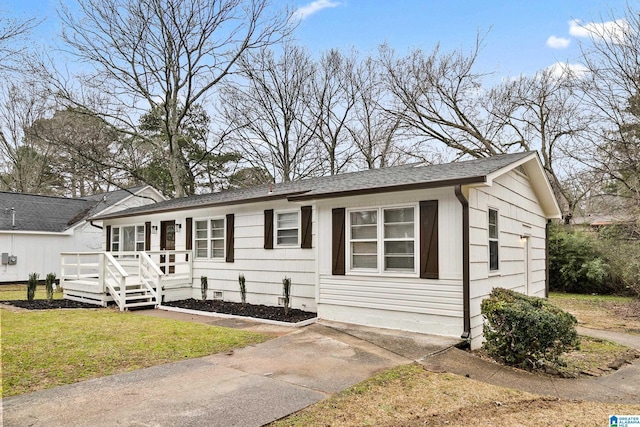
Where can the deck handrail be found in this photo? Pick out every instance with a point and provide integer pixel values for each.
(150, 275)
(119, 276)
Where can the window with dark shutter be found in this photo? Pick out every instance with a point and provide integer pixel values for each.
(147, 236)
(268, 229)
(306, 223)
(338, 241)
(230, 225)
(189, 234)
(429, 239)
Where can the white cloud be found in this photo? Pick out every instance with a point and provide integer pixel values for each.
(561, 70)
(611, 30)
(304, 12)
(557, 42)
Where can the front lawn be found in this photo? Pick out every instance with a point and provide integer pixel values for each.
(601, 311)
(42, 349)
(16, 292)
(411, 396)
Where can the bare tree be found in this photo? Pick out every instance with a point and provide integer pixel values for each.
(268, 106)
(160, 55)
(13, 32)
(373, 129)
(612, 56)
(332, 99)
(439, 98)
(546, 112)
(25, 166)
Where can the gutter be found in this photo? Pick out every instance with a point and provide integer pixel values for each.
(466, 303)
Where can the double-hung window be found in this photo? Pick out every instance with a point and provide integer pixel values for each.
(493, 240)
(128, 238)
(382, 239)
(209, 238)
(287, 228)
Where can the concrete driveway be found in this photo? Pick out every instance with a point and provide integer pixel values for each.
(248, 387)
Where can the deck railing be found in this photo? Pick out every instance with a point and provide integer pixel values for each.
(102, 273)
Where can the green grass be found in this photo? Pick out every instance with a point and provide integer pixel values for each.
(42, 349)
(19, 292)
(559, 296)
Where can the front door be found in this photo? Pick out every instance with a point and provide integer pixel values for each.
(168, 243)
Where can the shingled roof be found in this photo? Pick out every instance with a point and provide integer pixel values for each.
(32, 212)
(397, 178)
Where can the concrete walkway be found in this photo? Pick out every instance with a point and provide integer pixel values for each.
(621, 386)
(248, 387)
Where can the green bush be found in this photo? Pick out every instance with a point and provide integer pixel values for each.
(524, 331)
(204, 286)
(48, 283)
(32, 284)
(576, 263)
(623, 260)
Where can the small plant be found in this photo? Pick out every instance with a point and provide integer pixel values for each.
(286, 293)
(526, 331)
(243, 288)
(204, 286)
(32, 284)
(49, 281)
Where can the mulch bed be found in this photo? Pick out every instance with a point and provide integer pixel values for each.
(247, 310)
(41, 304)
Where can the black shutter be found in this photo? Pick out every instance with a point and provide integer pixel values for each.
(268, 229)
(108, 231)
(147, 236)
(429, 239)
(338, 241)
(306, 214)
(188, 224)
(230, 224)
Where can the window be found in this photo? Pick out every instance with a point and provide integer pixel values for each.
(493, 240)
(382, 236)
(287, 226)
(209, 239)
(127, 239)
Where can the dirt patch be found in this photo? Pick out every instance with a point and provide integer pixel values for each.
(247, 310)
(48, 305)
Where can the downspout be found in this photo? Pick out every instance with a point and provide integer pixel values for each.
(465, 262)
(546, 259)
(96, 226)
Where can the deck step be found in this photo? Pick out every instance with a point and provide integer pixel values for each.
(141, 304)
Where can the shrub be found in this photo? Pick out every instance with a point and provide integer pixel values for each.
(525, 331)
(286, 293)
(243, 288)
(48, 283)
(576, 264)
(623, 264)
(204, 285)
(32, 284)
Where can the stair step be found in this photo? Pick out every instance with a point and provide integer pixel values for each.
(140, 304)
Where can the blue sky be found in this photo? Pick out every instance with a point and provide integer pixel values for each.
(517, 32)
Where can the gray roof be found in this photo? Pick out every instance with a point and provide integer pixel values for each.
(397, 178)
(53, 214)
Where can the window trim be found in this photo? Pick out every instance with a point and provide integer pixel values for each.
(493, 239)
(120, 234)
(276, 214)
(380, 240)
(209, 238)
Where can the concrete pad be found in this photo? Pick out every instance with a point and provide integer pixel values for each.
(191, 393)
(247, 387)
(316, 357)
(411, 345)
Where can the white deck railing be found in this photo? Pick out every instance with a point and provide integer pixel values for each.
(99, 273)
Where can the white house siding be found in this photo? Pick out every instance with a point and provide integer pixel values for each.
(519, 215)
(397, 301)
(263, 269)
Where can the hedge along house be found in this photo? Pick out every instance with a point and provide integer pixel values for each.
(413, 247)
